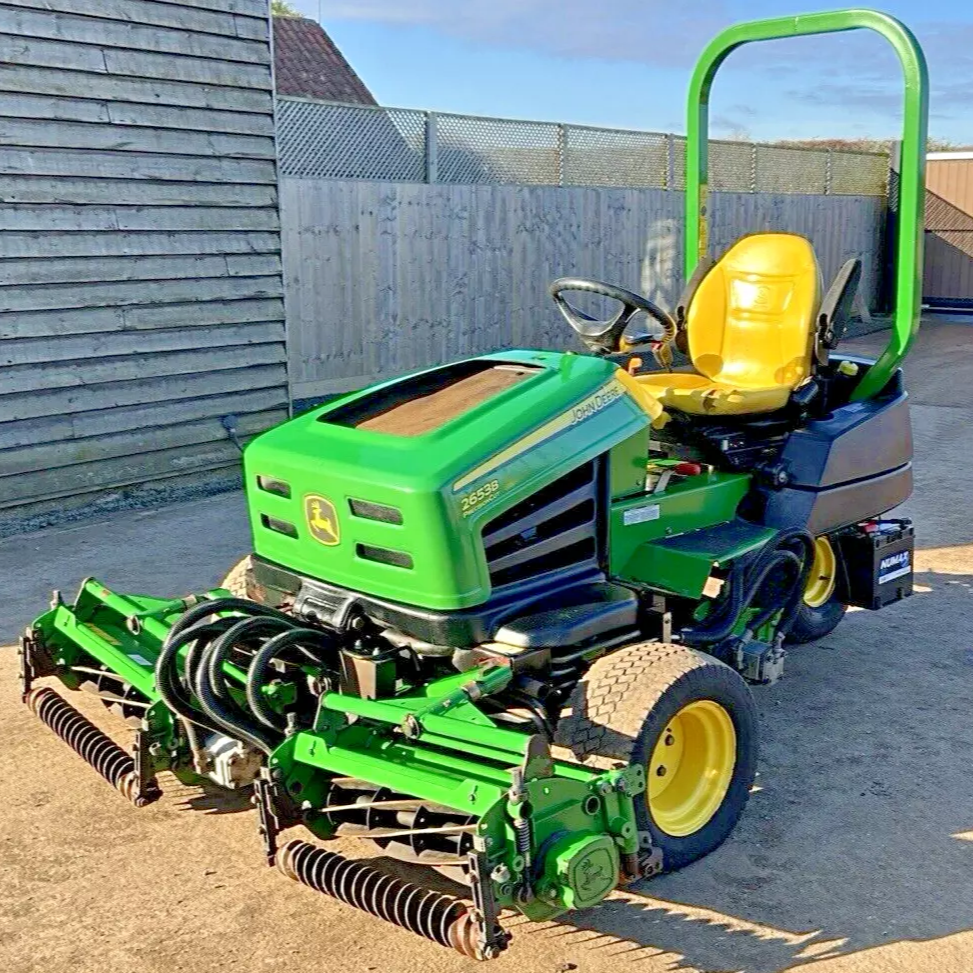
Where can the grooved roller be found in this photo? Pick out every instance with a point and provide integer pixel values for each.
(79, 733)
(442, 918)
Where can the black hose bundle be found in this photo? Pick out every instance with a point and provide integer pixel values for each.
(747, 579)
(200, 694)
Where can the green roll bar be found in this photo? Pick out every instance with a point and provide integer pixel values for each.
(909, 237)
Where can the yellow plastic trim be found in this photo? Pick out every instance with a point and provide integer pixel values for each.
(647, 401)
(823, 575)
(691, 768)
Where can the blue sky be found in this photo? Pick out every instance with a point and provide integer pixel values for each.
(626, 63)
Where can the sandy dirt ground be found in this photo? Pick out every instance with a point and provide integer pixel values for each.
(855, 852)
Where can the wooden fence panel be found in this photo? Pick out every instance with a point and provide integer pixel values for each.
(386, 277)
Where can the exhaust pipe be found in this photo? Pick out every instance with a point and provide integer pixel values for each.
(442, 918)
(79, 733)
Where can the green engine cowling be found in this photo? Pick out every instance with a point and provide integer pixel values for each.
(386, 491)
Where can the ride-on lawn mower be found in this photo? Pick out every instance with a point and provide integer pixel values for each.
(501, 614)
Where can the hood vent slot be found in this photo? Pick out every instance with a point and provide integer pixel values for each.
(555, 528)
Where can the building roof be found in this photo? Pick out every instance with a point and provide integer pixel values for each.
(308, 65)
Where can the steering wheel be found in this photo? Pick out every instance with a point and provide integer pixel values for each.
(606, 337)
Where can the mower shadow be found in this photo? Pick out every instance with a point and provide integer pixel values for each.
(860, 831)
(206, 797)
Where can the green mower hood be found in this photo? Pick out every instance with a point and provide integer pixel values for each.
(386, 491)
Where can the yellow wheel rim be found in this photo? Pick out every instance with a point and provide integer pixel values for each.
(691, 768)
(823, 574)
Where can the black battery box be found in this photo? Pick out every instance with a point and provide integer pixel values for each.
(876, 563)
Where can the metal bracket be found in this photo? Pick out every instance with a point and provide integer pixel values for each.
(651, 860)
(492, 940)
(147, 787)
(267, 797)
(34, 662)
(537, 759)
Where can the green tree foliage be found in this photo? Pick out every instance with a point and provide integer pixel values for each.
(281, 8)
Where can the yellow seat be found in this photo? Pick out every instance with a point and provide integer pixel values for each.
(750, 326)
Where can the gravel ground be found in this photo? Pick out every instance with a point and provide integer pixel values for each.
(855, 853)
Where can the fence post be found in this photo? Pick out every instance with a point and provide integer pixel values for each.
(829, 173)
(432, 147)
(753, 167)
(562, 151)
(670, 161)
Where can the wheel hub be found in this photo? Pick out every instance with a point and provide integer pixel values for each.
(691, 768)
(822, 576)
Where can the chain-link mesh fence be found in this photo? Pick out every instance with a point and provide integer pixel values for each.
(613, 157)
(326, 140)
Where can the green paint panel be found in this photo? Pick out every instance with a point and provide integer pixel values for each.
(626, 464)
(683, 563)
(445, 484)
(910, 236)
(687, 505)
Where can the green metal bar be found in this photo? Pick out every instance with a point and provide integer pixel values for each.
(910, 240)
(452, 782)
(119, 653)
(458, 730)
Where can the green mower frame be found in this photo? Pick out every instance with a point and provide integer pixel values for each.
(500, 617)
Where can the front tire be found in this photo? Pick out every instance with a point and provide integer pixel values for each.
(689, 720)
(238, 580)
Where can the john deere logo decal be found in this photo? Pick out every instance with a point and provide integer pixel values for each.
(322, 519)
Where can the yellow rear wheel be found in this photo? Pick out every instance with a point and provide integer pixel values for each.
(691, 768)
(823, 576)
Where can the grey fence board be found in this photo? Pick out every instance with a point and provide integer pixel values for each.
(39, 80)
(65, 109)
(38, 243)
(118, 293)
(157, 14)
(63, 26)
(104, 320)
(132, 168)
(57, 217)
(140, 274)
(122, 471)
(129, 138)
(87, 372)
(64, 55)
(34, 459)
(82, 398)
(386, 277)
(59, 429)
(97, 192)
(76, 347)
(54, 270)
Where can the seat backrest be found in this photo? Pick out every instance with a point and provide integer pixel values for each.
(751, 321)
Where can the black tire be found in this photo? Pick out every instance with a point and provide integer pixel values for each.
(811, 624)
(624, 704)
(238, 579)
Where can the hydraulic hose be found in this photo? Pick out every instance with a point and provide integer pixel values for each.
(167, 681)
(216, 605)
(779, 560)
(214, 694)
(745, 583)
(257, 675)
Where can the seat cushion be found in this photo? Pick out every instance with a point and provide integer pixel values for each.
(701, 396)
